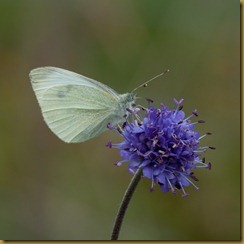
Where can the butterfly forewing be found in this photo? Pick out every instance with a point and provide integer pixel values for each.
(46, 77)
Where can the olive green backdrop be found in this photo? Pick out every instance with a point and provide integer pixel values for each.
(52, 190)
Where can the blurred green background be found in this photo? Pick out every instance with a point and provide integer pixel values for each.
(52, 190)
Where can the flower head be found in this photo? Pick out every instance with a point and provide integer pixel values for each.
(165, 145)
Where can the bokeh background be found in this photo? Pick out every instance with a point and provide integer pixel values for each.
(50, 190)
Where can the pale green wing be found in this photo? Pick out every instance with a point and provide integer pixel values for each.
(44, 78)
(75, 110)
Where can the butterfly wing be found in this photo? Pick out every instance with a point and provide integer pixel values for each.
(44, 78)
(75, 107)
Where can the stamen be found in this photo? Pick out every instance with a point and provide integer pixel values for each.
(109, 144)
(202, 136)
(200, 151)
(119, 163)
(207, 147)
(149, 100)
(193, 123)
(180, 107)
(190, 116)
(155, 141)
(193, 176)
(136, 110)
(183, 168)
(136, 122)
(170, 185)
(120, 129)
(202, 164)
(194, 112)
(201, 121)
(206, 134)
(182, 188)
(152, 185)
(209, 166)
(138, 118)
(178, 102)
(197, 188)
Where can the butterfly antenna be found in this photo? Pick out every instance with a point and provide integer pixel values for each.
(155, 77)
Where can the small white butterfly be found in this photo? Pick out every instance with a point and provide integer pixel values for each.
(77, 108)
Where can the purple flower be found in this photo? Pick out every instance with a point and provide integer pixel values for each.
(165, 145)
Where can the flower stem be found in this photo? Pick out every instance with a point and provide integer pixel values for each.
(124, 204)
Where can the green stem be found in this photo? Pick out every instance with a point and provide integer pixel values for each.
(124, 204)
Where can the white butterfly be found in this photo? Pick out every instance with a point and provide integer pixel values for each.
(77, 108)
